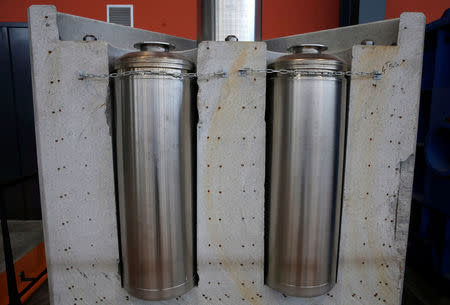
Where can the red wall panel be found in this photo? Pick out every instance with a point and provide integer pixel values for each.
(290, 17)
(433, 9)
(167, 16)
(178, 17)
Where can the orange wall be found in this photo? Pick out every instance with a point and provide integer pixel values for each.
(433, 9)
(289, 17)
(175, 17)
(32, 263)
(178, 17)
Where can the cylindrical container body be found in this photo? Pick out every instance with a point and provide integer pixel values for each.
(155, 141)
(306, 131)
(218, 19)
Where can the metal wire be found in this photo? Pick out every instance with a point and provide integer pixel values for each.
(241, 72)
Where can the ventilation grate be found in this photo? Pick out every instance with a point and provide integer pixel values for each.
(120, 14)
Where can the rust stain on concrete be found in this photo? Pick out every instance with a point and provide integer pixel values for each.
(224, 118)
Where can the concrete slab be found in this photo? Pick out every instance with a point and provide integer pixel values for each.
(77, 184)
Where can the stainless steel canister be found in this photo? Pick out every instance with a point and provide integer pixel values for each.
(306, 130)
(155, 138)
(218, 19)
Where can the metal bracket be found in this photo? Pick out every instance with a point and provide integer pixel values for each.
(243, 72)
(377, 75)
(26, 279)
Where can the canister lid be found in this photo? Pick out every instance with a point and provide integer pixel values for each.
(153, 54)
(307, 57)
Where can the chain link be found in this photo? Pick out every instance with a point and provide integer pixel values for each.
(242, 72)
(296, 72)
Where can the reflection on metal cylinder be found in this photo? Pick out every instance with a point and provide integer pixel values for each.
(155, 138)
(306, 130)
(218, 19)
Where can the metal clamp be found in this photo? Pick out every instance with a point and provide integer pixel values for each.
(243, 72)
(89, 37)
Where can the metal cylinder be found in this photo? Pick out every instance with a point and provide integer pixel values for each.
(306, 131)
(155, 141)
(218, 19)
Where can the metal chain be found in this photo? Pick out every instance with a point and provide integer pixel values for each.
(83, 75)
(297, 72)
(242, 72)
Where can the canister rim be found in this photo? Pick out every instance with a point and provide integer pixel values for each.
(309, 60)
(150, 59)
(309, 63)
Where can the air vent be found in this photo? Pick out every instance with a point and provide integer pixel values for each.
(120, 14)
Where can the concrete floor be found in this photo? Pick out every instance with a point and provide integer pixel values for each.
(40, 297)
(24, 236)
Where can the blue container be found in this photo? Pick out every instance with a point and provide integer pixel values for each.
(431, 232)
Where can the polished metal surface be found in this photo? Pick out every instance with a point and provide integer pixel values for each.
(231, 38)
(218, 19)
(154, 46)
(155, 141)
(153, 55)
(306, 130)
(367, 42)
